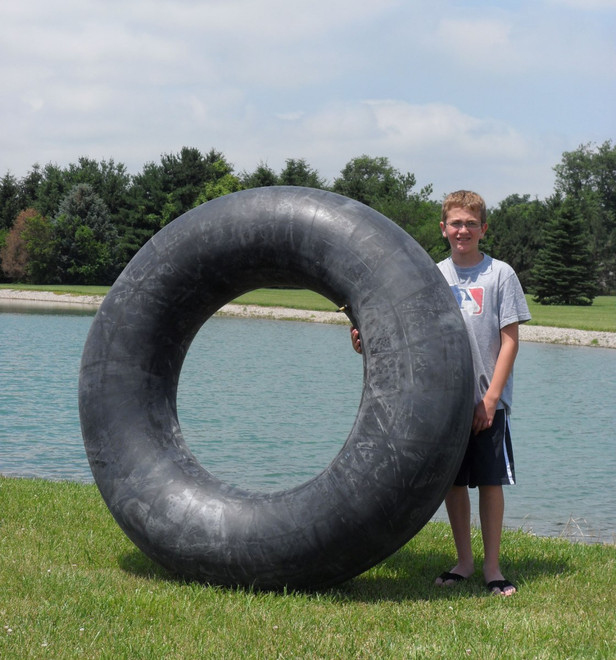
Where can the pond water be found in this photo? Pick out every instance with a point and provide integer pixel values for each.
(267, 404)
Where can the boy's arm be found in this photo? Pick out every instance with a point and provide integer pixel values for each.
(485, 409)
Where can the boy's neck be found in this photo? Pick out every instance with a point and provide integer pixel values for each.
(467, 260)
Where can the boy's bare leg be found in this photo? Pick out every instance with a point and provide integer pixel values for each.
(491, 512)
(458, 506)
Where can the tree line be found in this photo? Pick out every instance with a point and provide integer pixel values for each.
(81, 224)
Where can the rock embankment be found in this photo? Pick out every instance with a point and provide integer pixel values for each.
(568, 336)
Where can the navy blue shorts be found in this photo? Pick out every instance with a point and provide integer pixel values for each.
(488, 460)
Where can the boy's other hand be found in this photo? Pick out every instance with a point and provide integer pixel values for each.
(355, 340)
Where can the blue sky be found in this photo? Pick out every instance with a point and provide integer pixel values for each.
(467, 94)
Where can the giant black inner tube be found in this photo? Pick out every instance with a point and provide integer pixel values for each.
(401, 454)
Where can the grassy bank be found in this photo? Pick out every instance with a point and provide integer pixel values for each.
(600, 316)
(74, 586)
(75, 289)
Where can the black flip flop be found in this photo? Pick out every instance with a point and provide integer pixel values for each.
(455, 577)
(501, 585)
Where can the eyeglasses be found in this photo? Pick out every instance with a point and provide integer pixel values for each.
(470, 225)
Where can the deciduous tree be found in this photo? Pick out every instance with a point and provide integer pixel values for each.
(372, 181)
(263, 176)
(515, 233)
(297, 172)
(38, 235)
(14, 254)
(224, 183)
(375, 182)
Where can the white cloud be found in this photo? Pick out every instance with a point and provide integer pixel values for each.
(404, 126)
(437, 142)
(479, 41)
(585, 5)
(531, 43)
(403, 130)
(290, 116)
(447, 90)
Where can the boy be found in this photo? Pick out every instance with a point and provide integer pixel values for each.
(493, 305)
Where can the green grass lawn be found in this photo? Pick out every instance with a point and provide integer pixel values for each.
(601, 315)
(73, 586)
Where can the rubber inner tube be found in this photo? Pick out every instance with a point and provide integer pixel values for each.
(402, 452)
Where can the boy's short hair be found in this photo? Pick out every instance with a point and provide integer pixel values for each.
(465, 199)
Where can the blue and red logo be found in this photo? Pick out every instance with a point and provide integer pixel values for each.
(470, 300)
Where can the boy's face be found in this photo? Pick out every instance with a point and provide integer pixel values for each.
(463, 230)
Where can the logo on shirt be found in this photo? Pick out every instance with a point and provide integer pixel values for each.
(470, 300)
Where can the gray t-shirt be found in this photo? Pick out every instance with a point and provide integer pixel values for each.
(490, 298)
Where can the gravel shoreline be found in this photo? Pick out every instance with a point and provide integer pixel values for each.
(567, 336)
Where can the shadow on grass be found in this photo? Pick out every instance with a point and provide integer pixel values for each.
(410, 574)
(140, 565)
(407, 575)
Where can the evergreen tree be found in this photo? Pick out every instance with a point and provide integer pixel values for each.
(84, 238)
(564, 272)
(147, 199)
(183, 177)
(587, 176)
(51, 189)
(28, 187)
(9, 201)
